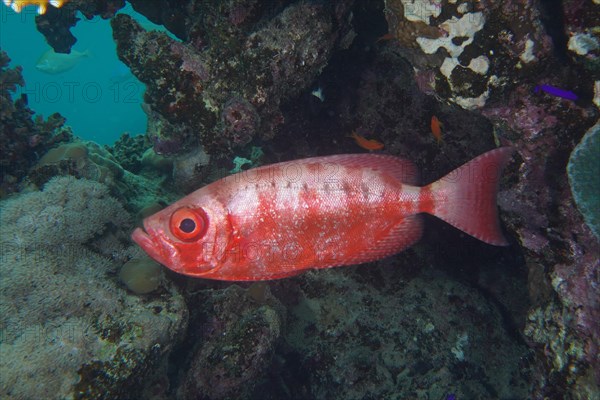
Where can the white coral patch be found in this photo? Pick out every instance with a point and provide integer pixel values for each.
(448, 66)
(583, 43)
(527, 54)
(480, 65)
(463, 8)
(465, 27)
(421, 10)
(461, 342)
(472, 103)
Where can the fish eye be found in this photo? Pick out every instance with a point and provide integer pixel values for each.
(188, 224)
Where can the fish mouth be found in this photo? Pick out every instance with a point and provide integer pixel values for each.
(144, 240)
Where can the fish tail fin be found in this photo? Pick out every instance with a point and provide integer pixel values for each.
(466, 197)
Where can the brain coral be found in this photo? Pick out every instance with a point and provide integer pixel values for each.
(584, 173)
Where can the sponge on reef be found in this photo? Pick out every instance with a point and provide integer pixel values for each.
(141, 275)
(584, 177)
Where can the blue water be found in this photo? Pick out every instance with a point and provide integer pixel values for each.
(99, 96)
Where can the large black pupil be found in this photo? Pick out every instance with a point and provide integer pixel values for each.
(187, 225)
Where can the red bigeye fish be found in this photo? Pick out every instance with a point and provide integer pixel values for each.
(282, 219)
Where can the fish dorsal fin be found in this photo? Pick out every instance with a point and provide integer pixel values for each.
(403, 170)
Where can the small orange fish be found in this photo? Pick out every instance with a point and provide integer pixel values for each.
(368, 144)
(386, 37)
(436, 129)
(283, 219)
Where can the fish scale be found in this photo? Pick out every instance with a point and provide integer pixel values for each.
(283, 219)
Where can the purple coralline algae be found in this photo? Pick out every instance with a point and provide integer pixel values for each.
(240, 121)
(560, 251)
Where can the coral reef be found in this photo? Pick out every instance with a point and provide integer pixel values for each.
(129, 150)
(83, 316)
(240, 121)
(560, 251)
(86, 159)
(198, 97)
(477, 51)
(581, 33)
(56, 24)
(49, 217)
(81, 159)
(69, 330)
(22, 138)
(190, 169)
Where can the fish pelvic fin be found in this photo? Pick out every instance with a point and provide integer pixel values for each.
(466, 197)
